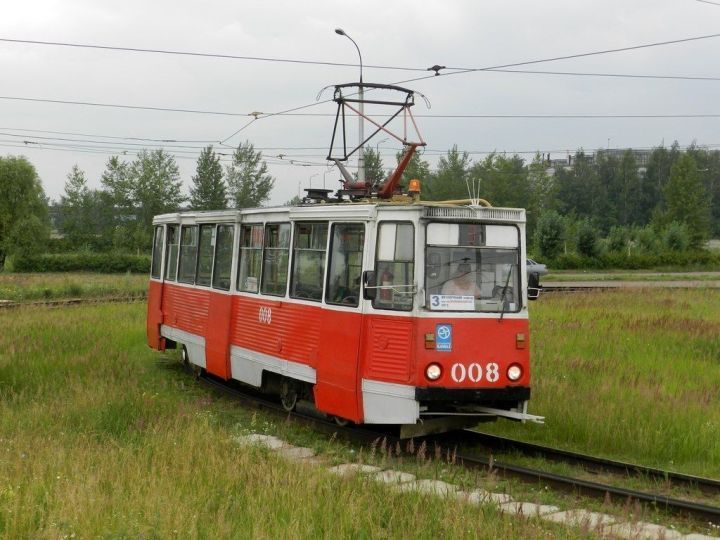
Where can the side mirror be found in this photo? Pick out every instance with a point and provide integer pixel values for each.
(534, 288)
(369, 285)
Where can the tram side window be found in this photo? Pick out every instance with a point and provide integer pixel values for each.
(188, 254)
(395, 266)
(171, 256)
(275, 259)
(205, 255)
(251, 243)
(345, 266)
(223, 257)
(309, 248)
(155, 270)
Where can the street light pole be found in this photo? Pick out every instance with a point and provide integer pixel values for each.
(361, 126)
(310, 179)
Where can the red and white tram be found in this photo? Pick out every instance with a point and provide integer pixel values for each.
(376, 307)
(408, 314)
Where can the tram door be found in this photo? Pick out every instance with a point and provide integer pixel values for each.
(336, 389)
(217, 342)
(154, 315)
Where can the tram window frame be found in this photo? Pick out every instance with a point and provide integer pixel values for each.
(386, 298)
(204, 279)
(157, 252)
(281, 251)
(478, 253)
(172, 256)
(347, 286)
(305, 258)
(256, 249)
(226, 264)
(183, 275)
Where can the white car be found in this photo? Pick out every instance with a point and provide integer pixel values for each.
(534, 267)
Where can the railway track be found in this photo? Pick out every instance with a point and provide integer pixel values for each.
(456, 444)
(65, 302)
(593, 464)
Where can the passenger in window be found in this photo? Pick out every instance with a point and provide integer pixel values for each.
(463, 284)
(347, 295)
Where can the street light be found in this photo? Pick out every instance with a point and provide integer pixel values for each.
(341, 32)
(377, 146)
(361, 124)
(310, 179)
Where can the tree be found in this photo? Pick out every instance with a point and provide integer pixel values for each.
(209, 191)
(503, 180)
(374, 172)
(74, 208)
(629, 205)
(155, 185)
(248, 181)
(708, 164)
(542, 192)
(450, 180)
(587, 239)
(578, 188)
(23, 208)
(116, 181)
(654, 180)
(137, 192)
(686, 200)
(550, 234)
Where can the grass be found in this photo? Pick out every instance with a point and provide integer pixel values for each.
(625, 275)
(19, 287)
(632, 374)
(102, 438)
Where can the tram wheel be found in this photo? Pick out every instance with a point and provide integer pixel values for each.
(342, 422)
(288, 395)
(197, 371)
(184, 358)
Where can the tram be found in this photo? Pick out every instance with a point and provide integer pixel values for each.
(375, 307)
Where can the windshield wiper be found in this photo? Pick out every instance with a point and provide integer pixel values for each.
(502, 296)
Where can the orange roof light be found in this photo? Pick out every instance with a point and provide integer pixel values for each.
(414, 186)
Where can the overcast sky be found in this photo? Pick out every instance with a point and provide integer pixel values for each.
(467, 34)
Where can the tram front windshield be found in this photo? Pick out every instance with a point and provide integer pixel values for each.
(472, 267)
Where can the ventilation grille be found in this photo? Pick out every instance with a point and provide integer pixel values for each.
(466, 212)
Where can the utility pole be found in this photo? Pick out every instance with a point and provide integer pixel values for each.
(361, 125)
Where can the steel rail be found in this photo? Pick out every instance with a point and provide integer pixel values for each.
(362, 434)
(596, 464)
(63, 302)
(699, 511)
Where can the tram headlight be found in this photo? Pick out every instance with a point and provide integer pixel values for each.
(433, 372)
(514, 372)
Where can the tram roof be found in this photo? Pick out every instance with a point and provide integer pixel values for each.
(360, 211)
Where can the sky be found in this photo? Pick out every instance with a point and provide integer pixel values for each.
(398, 33)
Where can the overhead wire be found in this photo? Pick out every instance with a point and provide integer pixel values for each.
(461, 70)
(203, 54)
(456, 70)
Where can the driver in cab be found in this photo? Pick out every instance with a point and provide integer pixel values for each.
(463, 284)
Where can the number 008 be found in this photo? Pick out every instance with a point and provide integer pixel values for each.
(475, 372)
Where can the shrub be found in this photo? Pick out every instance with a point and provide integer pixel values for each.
(618, 239)
(587, 239)
(636, 261)
(676, 237)
(646, 239)
(550, 234)
(107, 263)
